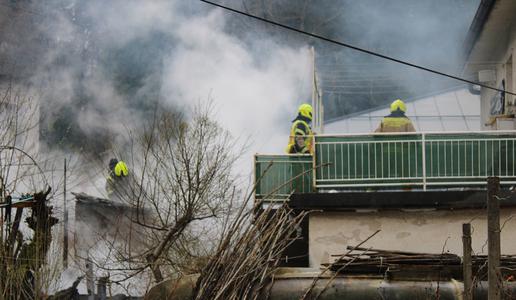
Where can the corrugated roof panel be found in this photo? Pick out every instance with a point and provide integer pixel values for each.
(455, 124)
(473, 123)
(336, 127)
(360, 125)
(451, 111)
(470, 103)
(424, 107)
(428, 124)
(448, 104)
(380, 112)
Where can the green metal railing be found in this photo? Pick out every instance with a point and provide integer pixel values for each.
(368, 160)
(420, 160)
(278, 176)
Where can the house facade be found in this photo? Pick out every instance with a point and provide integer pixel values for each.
(489, 50)
(417, 189)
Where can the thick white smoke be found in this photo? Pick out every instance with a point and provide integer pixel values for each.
(254, 93)
(255, 100)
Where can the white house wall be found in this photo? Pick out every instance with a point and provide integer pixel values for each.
(420, 231)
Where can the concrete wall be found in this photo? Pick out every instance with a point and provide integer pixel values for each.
(420, 231)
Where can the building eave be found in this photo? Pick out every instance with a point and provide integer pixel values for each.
(489, 37)
(476, 27)
(396, 200)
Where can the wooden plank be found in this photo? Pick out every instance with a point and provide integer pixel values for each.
(493, 238)
(24, 204)
(467, 265)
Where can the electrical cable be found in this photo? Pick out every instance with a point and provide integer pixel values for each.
(356, 48)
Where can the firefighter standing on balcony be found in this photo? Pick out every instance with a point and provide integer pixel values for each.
(301, 135)
(396, 121)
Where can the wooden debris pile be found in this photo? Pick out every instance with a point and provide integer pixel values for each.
(21, 258)
(249, 254)
(412, 265)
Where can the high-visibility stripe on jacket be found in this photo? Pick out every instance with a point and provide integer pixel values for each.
(396, 122)
(300, 130)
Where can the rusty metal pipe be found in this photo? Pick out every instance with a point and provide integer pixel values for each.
(292, 283)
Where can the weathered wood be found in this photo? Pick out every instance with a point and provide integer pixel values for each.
(27, 256)
(391, 252)
(90, 279)
(467, 262)
(65, 222)
(13, 232)
(493, 238)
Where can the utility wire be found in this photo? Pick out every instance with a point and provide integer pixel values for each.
(357, 48)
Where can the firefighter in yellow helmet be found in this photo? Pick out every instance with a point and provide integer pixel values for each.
(396, 121)
(301, 136)
(117, 179)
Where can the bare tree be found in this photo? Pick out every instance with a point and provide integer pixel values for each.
(23, 184)
(181, 188)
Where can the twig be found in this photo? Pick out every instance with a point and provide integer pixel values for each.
(314, 282)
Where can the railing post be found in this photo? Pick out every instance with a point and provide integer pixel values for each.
(314, 90)
(466, 261)
(423, 146)
(255, 157)
(314, 163)
(493, 239)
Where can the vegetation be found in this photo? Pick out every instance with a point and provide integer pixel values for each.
(23, 186)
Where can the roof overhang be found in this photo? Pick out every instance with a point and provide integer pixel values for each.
(489, 35)
(397, 200)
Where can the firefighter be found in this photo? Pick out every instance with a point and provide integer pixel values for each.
(396, 121)
(300, 133)
(116, 180)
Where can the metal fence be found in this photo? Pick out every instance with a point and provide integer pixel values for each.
(418, 159)
(369, 161)
(278, 176)
(361, 161)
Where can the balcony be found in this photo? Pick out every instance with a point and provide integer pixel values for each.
(397, 161)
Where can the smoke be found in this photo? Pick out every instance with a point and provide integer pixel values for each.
(103, 66)
(253, 99)
(428, 33)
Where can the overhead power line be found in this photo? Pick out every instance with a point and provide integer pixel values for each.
(356, 48)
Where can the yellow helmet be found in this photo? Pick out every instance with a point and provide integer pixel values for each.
(398, 104)
(306, 110)
(121, 169)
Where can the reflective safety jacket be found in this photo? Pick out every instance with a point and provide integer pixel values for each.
(396, 122)
(301, 137)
